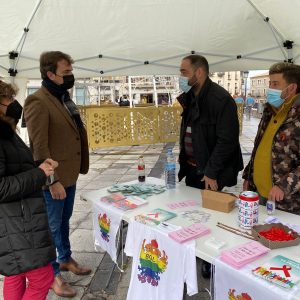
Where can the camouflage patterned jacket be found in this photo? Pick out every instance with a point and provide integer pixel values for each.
(285, 156)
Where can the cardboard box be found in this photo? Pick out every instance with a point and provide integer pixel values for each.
(220, 201)
(274, 244)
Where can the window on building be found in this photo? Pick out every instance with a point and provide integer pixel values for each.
(80, 94)
(31, 90)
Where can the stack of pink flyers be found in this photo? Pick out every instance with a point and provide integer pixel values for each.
(242, 255)
(189, 233)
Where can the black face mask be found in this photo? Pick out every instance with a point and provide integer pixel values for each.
(68, 81)
(14, 110)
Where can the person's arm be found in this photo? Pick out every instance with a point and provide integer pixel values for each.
(37, 122)
(290, 183)
(13, 188)
(227, 132)
(35, 113)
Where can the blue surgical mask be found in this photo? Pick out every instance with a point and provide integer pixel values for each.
(184, 84)
(274, 97)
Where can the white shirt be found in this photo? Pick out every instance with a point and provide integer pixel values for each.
(160, 265)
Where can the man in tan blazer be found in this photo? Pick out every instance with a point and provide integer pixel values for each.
(56, 131)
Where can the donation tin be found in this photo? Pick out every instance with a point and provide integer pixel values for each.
(248, 207)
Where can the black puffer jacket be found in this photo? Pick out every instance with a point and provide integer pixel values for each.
(25, 239)
(215, 134)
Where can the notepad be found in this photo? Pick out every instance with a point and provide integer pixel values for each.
(112, 198)
(183, 204)
(189, 233)
(241, 255)
(130, 202)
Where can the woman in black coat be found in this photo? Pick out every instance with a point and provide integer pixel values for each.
(26, 247)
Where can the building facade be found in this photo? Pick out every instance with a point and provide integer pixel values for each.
(155, 90)
(258, 87)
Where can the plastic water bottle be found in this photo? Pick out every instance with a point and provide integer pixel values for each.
(170, 171)
(141, 169)
(270, 207)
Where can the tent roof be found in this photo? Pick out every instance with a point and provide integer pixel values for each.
(134, 37)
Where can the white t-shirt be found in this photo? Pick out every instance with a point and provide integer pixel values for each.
(106, 222)
(160, 265)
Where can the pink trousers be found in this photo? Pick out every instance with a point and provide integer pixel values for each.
(38, 283)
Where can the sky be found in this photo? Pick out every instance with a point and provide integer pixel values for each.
(257, 72)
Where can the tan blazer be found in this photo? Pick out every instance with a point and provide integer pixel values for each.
(53, 133)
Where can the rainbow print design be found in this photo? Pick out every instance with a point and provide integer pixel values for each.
(242, 296)
(104, 225)
(153, 262)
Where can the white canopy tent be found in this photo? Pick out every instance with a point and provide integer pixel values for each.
(140, 37)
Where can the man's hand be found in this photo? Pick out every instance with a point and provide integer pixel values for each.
(210, 183)
(57, 191)
(47, 168)
(246, 185)
(51, 162)
(276, 194)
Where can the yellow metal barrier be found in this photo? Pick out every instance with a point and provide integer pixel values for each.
(240, 111)
(124, 126)
(109, 126)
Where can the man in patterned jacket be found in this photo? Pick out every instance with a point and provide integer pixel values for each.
(274, 167)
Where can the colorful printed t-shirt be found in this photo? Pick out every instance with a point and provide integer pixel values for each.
(106, 222)
(160, 265)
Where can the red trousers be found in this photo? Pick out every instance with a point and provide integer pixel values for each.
(38, 283)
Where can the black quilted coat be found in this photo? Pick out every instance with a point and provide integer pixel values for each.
(25, 239)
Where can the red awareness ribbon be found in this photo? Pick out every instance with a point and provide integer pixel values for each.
(285, 269)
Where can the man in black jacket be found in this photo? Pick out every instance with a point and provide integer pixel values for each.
(210, 154)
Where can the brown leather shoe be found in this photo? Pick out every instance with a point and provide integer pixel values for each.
(62, 288)
(73, 266)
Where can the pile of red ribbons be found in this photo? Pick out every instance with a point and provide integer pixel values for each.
(277, 234)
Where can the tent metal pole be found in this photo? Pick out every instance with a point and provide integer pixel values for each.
(2, 67)
(274, 30)
(28, 69)
(24, 35)
(123, 68)
(263, 59)
(278, 42)
(3, 55)
(170, 57)
(86, 58)
(222, 61)
(86, 69)
(123, 59)
(22, 45)
(29, 58)
(265, 19)
(29, 22)
(259, 51)
(213, 54)
(108, 57)
(130, 91)
(296, 56)
(164, 65)
(154, 91)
